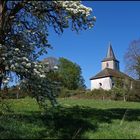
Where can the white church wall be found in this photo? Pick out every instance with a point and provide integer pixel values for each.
(104, 83)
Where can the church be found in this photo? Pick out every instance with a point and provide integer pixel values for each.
(110, 70)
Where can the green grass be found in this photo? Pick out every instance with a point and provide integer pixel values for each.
(76, 118)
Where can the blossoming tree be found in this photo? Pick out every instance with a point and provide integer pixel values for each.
(24, 37)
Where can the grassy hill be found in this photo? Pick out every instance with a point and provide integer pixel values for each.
(76, 118)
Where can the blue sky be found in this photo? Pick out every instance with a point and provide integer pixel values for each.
(117, 22)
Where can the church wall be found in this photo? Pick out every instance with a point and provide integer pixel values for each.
(104, 83)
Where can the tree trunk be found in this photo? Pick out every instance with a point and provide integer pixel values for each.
(17, 95)
(124, 99)
(0, 87)
(0, 12)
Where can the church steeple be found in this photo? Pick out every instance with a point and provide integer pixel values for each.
(110, 53)
(110, 61)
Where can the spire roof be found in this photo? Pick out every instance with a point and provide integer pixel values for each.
(110, 54)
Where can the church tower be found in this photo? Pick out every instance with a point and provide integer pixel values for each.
(110, 69)
(110, 61)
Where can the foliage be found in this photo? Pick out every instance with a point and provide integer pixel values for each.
(122, 88)
(64, 92)
(114, 94)
(24, 38)
(52, 62)
(13, 92)
(132, 59)
(134, 94)
(86, 94)
(5, 107)
(99, 94)
(68, 76)
(71, 74)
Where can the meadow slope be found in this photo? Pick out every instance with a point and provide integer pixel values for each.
(75, 118)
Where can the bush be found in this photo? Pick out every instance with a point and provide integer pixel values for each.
(12, 93)
(69, 93)
(134, 93)
(99, 94)
(79, 93)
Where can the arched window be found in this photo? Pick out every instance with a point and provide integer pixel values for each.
(107, 65)
(100, 84)
(113, 84)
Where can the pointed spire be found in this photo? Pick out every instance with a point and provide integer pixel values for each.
(110, 53)
(110, 61)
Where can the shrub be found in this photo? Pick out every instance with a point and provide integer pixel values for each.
(12, 93)
(99, 94)
(69, 93)
(134, 94)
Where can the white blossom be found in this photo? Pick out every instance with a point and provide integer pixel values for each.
(6, 68)
(36, 71)
(42, 76)
(28, 64)
(55, 67)
(16, 64)
(39, 66)
(94, 18)
(12, 66)
(75, 7)
(25, 58)
(8, 78)
(5, 81)
(23, 63)
(16, 49)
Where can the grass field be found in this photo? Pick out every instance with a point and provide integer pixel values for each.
(76, 118)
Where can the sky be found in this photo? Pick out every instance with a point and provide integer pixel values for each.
(117, 22)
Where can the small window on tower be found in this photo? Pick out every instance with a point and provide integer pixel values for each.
(107, 65)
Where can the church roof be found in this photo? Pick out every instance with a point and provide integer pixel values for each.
(110, 54)
(107, 72)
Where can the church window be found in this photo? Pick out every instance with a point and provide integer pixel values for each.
(113, 84)
(107, 65)
(100, 84)
(116, 66)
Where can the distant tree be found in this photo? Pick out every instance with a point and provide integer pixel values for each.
(52, 62)
(24, 37)
(132, 59)
(71, 74)
(122, 87)
(135, 92)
